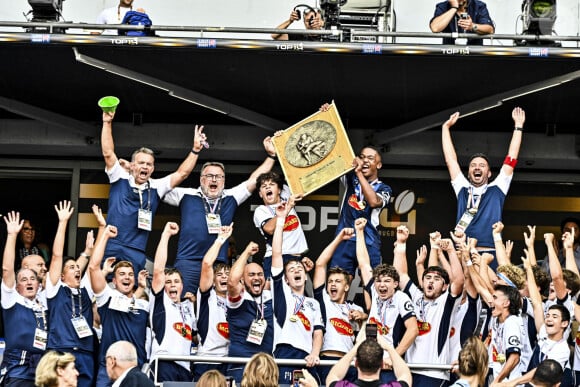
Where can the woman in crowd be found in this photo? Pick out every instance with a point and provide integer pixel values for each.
(56, 369)
(261, 371)
(473, 364)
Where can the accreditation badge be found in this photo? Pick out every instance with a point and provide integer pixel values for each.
(214, 223)
(81, 327)
(40, 339)
(144, 219)
(464, 222)
(257, 331)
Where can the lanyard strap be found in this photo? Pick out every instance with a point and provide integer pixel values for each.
(148, 197)
(298, 301)
(72, 303)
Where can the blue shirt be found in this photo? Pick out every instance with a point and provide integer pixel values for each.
(478, 12)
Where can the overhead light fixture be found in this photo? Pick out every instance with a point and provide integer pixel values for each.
(539, 17)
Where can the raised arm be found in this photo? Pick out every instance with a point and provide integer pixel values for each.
(284, 25)
(400, 367)
(184, 170)
(519, 117)
(435, 249)
(158, 283)
(529, 241)
(206, 276)
(265, 167)
(420, 263)
(371, 197)
(13, 227)
(500, 252)
(448, 148)
(555, 268)
(362, 253)
(400, 261)
(107, 143)
(235, 286)
(282, 210)
(324, 257)
(98, 279)
(568, 244)
(535, 295)
(83, 258)
(456, 277)
(441, 21)
(64, 212)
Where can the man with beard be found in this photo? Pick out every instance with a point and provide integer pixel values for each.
(273, 191)
(464, 16)
(211, 307)
(123, 316)
(434, 306)
(390, 309)
(480, 203)
(172, 320)
(249, 310)
(298, 317)
(342, 318)
(135, 196)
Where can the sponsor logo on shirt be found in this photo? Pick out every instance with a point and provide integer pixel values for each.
(292, 223)
(342, 327)
(224, 330)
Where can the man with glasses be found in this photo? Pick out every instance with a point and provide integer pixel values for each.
(205, 210)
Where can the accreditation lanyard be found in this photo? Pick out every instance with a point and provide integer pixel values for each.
(298, 302)
(472, 203)
(424, 309)
(148, 208)
(41, 332)
(78, 321)
(383, 309)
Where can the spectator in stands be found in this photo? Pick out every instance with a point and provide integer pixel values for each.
(312, 21)
(211, 307)
(172, 320)
(261, 371)
(572, 226)
(472, 364)
(463, 16)
(70, 304)
(115, 15)
(298, 317)
(134, 196)
(122, 366)
(56, 369)
(212, 378)
(25, 316)
(369, 362)
(480, 203)
(36, 263)
(548, 374)
(28, 244)
(123, 315)
(205, 209)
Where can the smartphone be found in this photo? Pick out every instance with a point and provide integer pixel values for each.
(230, 381)
(296, 376)
(371, 331)
(464, 15)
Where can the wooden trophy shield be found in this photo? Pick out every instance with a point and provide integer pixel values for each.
(314, 152)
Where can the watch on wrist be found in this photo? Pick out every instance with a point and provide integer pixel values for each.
(474, 28)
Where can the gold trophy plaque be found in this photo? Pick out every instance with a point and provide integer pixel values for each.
(314, 152)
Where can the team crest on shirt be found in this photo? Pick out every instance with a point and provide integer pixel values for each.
(578, 338)
(223, 329)
(514, 340)
(342, 327)
(304, 320)
(292, 223)
(381, 329)
(183, 330)
(451, 332)
(424, 327)
(355, 203)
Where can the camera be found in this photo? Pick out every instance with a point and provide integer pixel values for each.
(371, 331)
(296, 376)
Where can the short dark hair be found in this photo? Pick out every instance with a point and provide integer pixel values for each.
(373, 148)
(172, 270)
(542, 279)
(270, 176)
(437, 270)
(339, 270)
(386, 270)
(369, 356)
(569, 219)
(564, 312)
(513, 296)
(548, 373)
(572, 281)
(476, 155)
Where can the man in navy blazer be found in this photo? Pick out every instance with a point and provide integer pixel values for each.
(121, 361)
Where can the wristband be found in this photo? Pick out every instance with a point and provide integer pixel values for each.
(221, 239)
(519, 128)
(452, 7)
(280, 222)
(401, 247)
(83, 254)
(270, 156)
(511, 162)
(497, 237)
(195, 152)
(468, 263)
(436, 247)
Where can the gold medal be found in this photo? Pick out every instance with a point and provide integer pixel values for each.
(472, 211)
(500, 358)
(293, 318)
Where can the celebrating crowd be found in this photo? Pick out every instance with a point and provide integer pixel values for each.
(98, 320)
